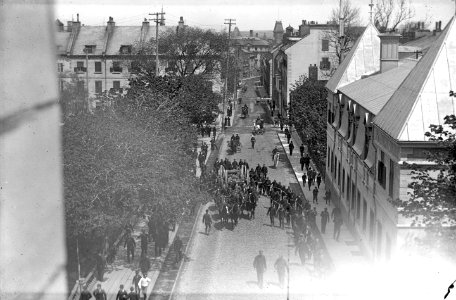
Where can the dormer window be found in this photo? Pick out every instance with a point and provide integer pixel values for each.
(89, 49)
(125, 49)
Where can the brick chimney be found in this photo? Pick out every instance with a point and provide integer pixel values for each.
(144, 30)
(289, 30)
(251, 33)
(389, 51)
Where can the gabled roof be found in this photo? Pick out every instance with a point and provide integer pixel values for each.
(127, 35)
(423, 43)
(423, 97)
(90, 35)
(363, 59)
(373, 92)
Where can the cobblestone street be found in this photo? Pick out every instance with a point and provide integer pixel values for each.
(220, 265)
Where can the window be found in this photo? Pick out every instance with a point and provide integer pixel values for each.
(381, 173)
(324, 45)
(125, 49)
(358, 206)
(90, 49)
(61, 85)
(60, 67)
(391, 179)
(325, 64)
(364, 214)
(116, 68)
(98, 67)
(116, 85)
(98, 87)
(80, 67)
(343, 181)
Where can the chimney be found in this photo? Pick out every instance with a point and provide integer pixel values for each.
(111, 25)
(145, 23)
(144, 30)
(251, 33)
(304, 29)
(289, 30)
(256, 34)
(59, 25)
(389, 51)
(440, 25)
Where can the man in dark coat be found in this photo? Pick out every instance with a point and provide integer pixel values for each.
(281, 266)
(307, 161)
(301, 161)
(136, 280)
(315, 195)
(318, 179)
(177, 245)
(99, 293)
(291, 147)
(101, 264)
(130, 244)
(324, 219)
(328, 196)
(133, 295)
(122, 294)
(144, 264)
(85, 294)
(259, 264)
(144, 242)
(336, 214)
(271, 212)
(288, 136)
(207, 220)
(301, 149)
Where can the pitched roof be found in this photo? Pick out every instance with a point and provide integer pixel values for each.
(373, 92)
(127, 35)
(269, 34)
(61, 40)
(423, 97)
(363, 59)
(251, 41)
(90, 35)
(424, 42)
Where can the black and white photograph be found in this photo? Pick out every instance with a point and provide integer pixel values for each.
(227, 149)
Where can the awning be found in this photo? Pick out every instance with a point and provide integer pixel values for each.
(360, 139)
(344, 127)
(370, 159)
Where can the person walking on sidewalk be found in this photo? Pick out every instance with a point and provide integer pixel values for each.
(253, 140)
(133, 295)
(259, 263)
(336, 214)
(85, 294)
(130, 244)
(304, 179)
(288, 135)
(318, 179)
(144, 264)
(99, 293)
(324, 219)
(291, 146)
(101, 264)
(144, 284)
(207, 220)
(328, 196)
(281, 266)
(136, 280)
(144, 242)
(301, 149)
(302, 161)
(309, 182)
(122, 294)
(315, 195)
(307, 161)
(178, 249)
(281, 215)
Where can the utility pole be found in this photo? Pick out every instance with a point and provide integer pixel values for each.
(159, 21)
(228, 22)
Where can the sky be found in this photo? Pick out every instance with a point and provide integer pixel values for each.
(249, 14)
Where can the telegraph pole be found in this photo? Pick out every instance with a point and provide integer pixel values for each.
(159, 21)
(228, 22)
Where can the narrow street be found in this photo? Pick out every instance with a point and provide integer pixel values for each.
(220, 265)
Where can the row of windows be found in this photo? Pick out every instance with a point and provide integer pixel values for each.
(353, 197)
(116, 67)
(98, 86)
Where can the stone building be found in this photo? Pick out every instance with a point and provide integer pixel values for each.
(379, 108)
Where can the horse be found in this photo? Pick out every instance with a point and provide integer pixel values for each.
(276, 159)
(223, 212)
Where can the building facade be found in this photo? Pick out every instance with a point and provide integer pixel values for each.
(379, 108)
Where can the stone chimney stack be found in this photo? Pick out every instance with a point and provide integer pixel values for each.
(111, 25)
(304, 29)
(251, 33)
(389, 51)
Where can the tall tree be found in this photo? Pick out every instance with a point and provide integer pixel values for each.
(389, 14)
(308, 114)
(350, 14)
(193, 50)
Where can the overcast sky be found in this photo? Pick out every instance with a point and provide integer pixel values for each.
(249, 14)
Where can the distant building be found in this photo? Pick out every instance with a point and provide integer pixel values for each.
(379, 108)
(100, 57)
(306, 52)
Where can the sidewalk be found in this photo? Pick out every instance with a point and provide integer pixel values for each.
(344, 253)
